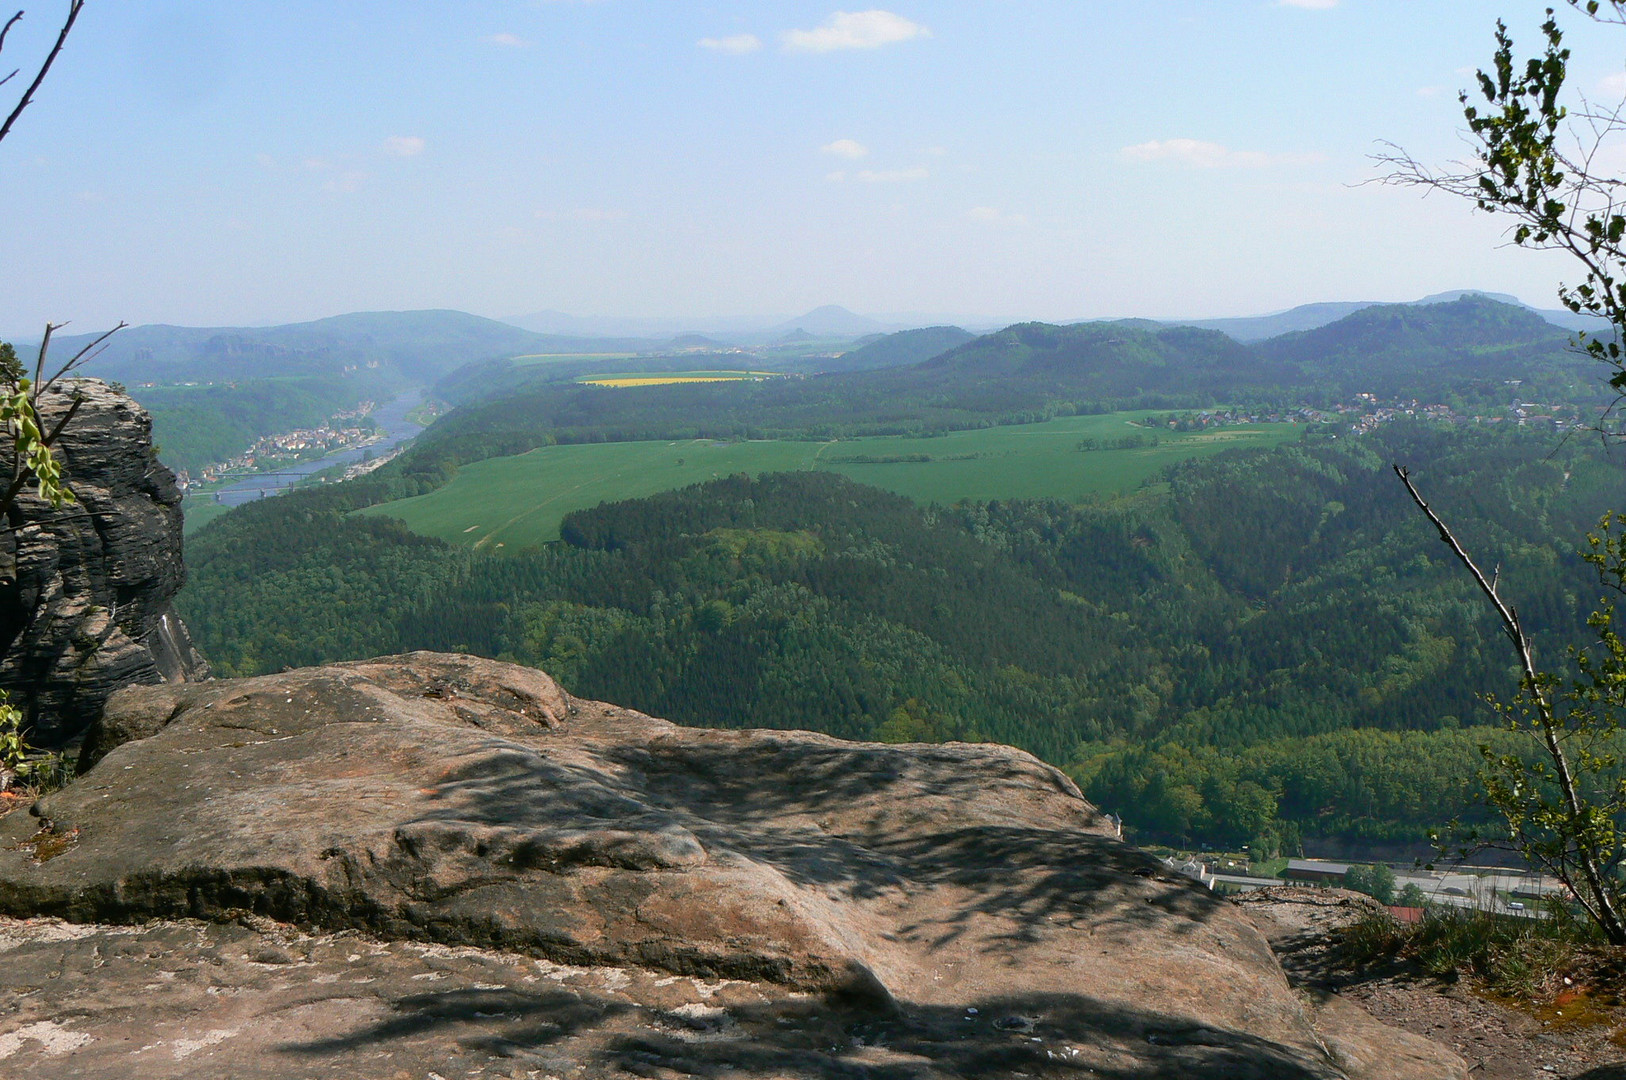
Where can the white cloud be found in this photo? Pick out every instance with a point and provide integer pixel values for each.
(1209, 155)
(1309, 5)
(1613, 86)
(855, 30)
(266, 161)
(1431, 91)
(847, 148)
(404, 145)
(507, 41)
(737, 44)
(892, 176)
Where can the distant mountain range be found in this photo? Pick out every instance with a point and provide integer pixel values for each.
(829, 321)
(423, 346)
(1313, 316)
(1474, 354)
(412, 345)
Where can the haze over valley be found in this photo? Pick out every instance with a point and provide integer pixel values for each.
(763, 540)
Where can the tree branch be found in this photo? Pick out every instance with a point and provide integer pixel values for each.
(1600, 903)
(88, 353)
(74, 7)
(6, 29)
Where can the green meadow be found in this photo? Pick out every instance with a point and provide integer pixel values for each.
(533, 359)
(519, 501)
(198, 510)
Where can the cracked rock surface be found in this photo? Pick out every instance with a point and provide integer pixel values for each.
(439, 865)
(85, 590)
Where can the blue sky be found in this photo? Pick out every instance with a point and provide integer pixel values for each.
(252, 162)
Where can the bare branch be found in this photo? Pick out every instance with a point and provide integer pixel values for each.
(74, 8)
(6, 29)
(45, 347)
(62, 423)
(84, 355)
(1509, 617)
(1600, 902)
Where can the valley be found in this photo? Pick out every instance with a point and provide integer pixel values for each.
(520, 500)
(954, 541)
(1219, 615)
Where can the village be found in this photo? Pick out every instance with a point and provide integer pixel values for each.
(301, 443)
(1366, 412)
(1501, 890)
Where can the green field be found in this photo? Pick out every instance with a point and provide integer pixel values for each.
(198, 510)
(519, 501)
(533, 359)
(626, 379)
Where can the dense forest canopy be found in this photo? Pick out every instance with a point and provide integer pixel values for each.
(1266, 645)
(1472, 353)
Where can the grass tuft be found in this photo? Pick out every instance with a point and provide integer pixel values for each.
(1521, 958)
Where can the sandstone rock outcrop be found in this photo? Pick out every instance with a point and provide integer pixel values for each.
(430, 862)
(85, 591)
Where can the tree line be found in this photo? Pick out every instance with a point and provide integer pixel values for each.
(1279, 610)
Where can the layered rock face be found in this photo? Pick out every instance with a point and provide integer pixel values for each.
(85, 591)
(437, 864)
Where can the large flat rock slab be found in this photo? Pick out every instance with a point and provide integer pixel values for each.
(189, 1000)
(432, 802)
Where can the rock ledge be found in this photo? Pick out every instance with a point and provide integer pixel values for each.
(938, 910)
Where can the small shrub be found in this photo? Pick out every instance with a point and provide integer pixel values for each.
(1376, 935)
(1516, 957)
(20, 764)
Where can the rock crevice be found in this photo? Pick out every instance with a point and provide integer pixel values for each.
(86, 590)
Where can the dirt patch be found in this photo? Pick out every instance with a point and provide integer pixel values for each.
(1579, 1035)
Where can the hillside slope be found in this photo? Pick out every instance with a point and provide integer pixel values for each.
(900, 349)
(412, 345)
(1466, 351)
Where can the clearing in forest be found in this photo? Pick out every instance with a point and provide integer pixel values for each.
(519, 501)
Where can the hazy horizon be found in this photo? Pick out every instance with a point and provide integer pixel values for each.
(260, 164)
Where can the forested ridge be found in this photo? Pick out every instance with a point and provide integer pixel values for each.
(1267, 644)
(1471, 353)
(194, 426)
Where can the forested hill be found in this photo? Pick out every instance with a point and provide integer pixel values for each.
(1393, 348)
(415, 345)
(1465, 352)
(1107, 361)
(1273, 642)
(900, 349)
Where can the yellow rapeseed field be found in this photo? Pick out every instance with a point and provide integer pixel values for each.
(674, 377)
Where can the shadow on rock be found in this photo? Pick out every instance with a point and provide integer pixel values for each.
(1044, 1035)
(525, 1019)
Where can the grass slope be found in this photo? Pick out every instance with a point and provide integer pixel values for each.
(519, 501)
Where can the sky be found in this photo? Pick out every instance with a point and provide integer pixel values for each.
(255, 162)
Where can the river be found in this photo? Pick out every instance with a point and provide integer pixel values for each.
(391, 418)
